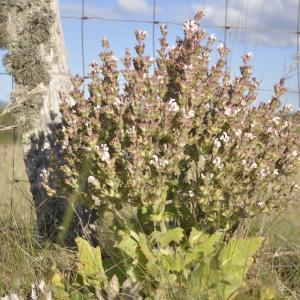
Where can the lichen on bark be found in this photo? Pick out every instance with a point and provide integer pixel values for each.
(3, 23)
(27, 43)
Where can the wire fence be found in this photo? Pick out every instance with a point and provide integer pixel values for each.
(226, 27)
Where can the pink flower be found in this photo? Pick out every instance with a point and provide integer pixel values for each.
(247, 57)
(190, 26)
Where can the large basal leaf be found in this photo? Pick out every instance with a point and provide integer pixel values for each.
(196, 236)
(128, 245)
(204, 279)
(208, 246)
(90, 263)
(171, 235)
(235, 260)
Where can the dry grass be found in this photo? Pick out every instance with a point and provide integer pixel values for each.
(25, 259)
(277, 266)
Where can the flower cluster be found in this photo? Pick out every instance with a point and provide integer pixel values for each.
(185, 137)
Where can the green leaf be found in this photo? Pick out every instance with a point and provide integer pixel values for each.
(172, 235)
(128, 245)
(195, 236)
(204, 279)
(90, 263)
(235, 260)
(179, 261)
(208, 245)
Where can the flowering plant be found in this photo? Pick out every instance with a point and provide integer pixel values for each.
(183, 145)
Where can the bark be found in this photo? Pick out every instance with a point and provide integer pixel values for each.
(31, 32)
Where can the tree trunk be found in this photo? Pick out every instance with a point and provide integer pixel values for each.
(31, 32)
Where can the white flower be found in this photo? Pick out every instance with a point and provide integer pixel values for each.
(163, 162)
(65, 144)
(275, 172)
(45, 174)
(131, 130)
(155, 157)
(228, 111)
(173, 106)
(117, 102)
(276, 120)
(97, 107)
(217, 143)
(247, 57)
(91, 179)
(228, 82)
(249, 135)
(263, 173)
(188, 67)
(212, 37)
(261, 204)
(124, 154)
(270, 130)
(207, 106)
(71, 102)
(294, 153)
(288, 107)
(217, 160)
(253, 166)
(287, 123)
(154, 160)
(224, 137)
(250, 55)
(105, 154)
(243, 102)
(190, 114)
(140, 34)
(220, 46)
(191, 194)
(244, 162)
(46, 146)
(238, 132)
